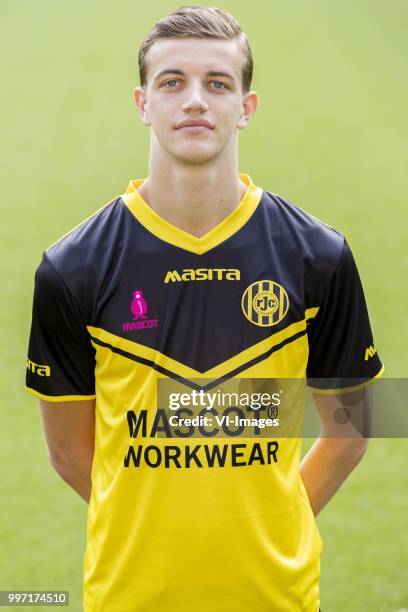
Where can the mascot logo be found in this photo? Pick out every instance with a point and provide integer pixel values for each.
(138, 307)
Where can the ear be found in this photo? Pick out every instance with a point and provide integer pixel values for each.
(139, 97)
(249, 104)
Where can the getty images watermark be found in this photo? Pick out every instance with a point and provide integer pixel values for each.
(273, 407)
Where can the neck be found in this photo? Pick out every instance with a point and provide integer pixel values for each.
(194, 198)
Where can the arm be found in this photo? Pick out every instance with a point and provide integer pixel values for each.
(340, 446)
(69, 429)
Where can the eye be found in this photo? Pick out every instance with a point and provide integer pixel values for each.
(170, 81)
(223, 86)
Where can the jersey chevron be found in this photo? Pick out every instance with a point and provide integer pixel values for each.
(234, 366)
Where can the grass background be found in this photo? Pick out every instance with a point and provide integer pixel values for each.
(330, 134)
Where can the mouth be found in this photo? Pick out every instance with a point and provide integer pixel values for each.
(194, 129)
(194, 126)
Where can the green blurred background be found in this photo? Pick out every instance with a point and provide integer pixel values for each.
(330, 135)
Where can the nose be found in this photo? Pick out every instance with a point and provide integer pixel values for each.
(194, 98)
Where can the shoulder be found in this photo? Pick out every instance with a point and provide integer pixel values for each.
(81, 245)
(304, 235)
(82, 255)
(76, 263)
(309, 248)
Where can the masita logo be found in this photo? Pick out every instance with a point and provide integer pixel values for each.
(197, 274)
(370, 352)
(138, 308)
(37, 368)
(265, 303)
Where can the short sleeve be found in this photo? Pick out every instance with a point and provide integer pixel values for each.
(61, 359)
(342, 352)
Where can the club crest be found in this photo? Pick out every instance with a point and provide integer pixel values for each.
(265, 303)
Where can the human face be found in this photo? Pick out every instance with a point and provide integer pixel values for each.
(193, 80)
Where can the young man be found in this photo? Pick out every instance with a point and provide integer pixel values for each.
(193, 273)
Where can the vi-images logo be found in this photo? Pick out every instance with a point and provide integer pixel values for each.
(138, 308)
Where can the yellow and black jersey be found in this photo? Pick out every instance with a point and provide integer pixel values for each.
(126, 300)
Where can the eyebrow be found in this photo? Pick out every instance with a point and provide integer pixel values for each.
(213, 73)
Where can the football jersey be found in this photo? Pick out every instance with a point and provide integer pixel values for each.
(126, 302)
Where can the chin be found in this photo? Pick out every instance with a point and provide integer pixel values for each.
(195, 156)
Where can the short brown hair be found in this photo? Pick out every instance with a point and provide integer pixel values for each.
(197, 21)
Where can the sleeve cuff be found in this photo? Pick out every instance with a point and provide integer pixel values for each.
(348, 389)
(58, 398)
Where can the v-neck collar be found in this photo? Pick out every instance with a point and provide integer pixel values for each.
(168, 232)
